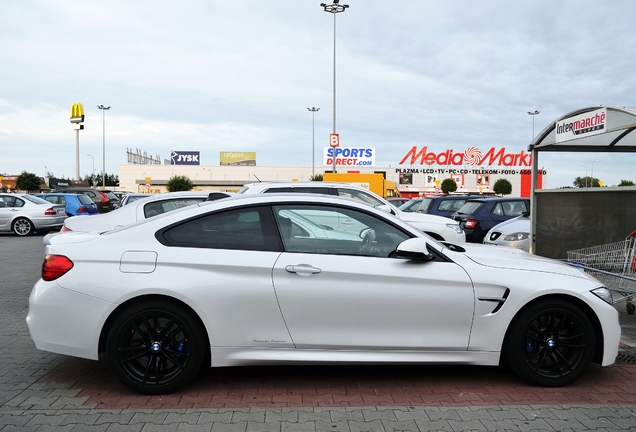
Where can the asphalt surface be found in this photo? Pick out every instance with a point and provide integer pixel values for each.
(41, 391)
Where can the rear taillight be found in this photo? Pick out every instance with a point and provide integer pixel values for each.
(65, 229)
(82, 209)
(104, 198)
(471, 223)
(50, 211)
(55, 266)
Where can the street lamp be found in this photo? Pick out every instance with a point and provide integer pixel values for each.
(592, 174)
(585, 174)
(92, 157)
(533, 114)
(313, 136)
(334, 9)
(104, 109)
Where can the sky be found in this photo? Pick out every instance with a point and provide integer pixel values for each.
(215, 76)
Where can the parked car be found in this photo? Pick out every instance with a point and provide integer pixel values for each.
(235, 282)
(106, 200)
(478, 215)
(398, 201)
(75, 204)
(24, 214)
(131, 197)
(514, 233)
(137, 210)
(437, 227)
(441, 205)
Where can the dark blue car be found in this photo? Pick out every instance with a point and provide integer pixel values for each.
(76, 204)
(478, 215)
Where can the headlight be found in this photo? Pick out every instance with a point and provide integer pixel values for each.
(604, 294)
(517, 236)
(455, 227)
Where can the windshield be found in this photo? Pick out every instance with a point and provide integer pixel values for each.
(34, 199)
(470, 207)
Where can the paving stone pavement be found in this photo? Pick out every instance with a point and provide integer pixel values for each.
(40, 391)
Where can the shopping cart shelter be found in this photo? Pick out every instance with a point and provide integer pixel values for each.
(569, 219)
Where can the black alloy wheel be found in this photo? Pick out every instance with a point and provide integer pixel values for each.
(155, 347)
(550, 344)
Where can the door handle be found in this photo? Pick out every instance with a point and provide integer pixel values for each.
(302, 269)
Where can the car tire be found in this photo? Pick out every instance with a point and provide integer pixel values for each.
(22, 227)
(550, 343)
(156, 346)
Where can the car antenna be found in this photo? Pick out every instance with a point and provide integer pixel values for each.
(259, 180)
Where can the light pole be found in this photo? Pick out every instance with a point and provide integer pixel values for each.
(334, 9)
(104, 109)
(585, 174)
(313, 137)
(592, 174)
(533, 114)
(92, 157)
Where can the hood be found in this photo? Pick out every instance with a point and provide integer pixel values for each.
(516, 259)
(424, 217)
(518, 224)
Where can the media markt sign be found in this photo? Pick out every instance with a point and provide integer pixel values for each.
(581, 126)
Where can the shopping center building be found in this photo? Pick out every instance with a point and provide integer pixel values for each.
(419, 172)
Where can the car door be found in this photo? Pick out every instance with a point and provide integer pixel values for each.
(335, 293)
(5, 214)
(227, 257)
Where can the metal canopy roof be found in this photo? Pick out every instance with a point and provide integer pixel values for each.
(618, 134)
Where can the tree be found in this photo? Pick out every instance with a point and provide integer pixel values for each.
(449, 185)
(316, 177)
(28, 182)
(179, 183)
(626, 183)
(583, 182)
(502, 187)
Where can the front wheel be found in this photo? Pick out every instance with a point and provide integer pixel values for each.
(155, 347)
(551, 343)
(23, 227)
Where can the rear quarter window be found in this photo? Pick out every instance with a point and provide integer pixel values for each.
(471, 207)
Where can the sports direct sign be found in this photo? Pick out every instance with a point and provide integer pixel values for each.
(581, 126)
(350, 156)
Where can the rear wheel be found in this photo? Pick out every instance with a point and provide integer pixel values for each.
(23, 227)
(155, 347)
(550, 344)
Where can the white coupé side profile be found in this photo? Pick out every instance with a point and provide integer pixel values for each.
(265, 278)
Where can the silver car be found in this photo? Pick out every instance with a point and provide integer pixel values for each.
(513, 233)
(24, 214)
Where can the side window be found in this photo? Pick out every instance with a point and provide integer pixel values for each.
(517, 208)
(498, 210)
(315, 190)
(239, 229)
(62, 200)
(302, 231)
(51, 199)
(277, 189)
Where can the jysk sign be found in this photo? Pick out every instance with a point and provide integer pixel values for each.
(581, 126)
(184, 158)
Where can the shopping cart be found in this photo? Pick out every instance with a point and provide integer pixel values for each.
(614, 264)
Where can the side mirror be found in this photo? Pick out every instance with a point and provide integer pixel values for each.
(415, 249)
(386, 208)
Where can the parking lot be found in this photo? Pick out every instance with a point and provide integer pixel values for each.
(43, 391)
